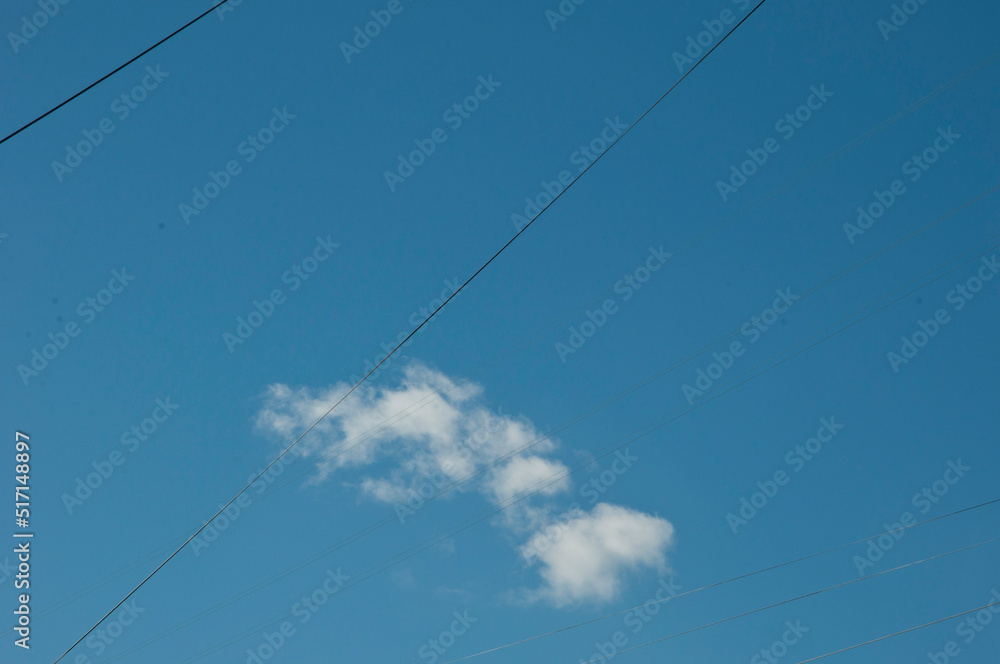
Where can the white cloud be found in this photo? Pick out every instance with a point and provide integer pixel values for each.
(586, 556)
(427, 432)
(430, 438)
(529, 472)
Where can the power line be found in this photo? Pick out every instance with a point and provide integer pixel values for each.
(634, 436)
(112, 73)
(905, 631)
(272, 621)
(358, 535)
(471, 475)
(794, 599)
(580, 417)
(503, 355)
(390, 422)
(444, 535)
(418, 327)
(716, 584)
(433, 313)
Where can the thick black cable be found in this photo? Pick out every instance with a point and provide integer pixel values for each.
(109, 75)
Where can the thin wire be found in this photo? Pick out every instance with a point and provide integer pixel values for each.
(274, 620)
(501, 356)
(795, 599)
(109, 75)
(458, 482)
(638, 434)
(719, 583)
(905, 631)
(346, 446)
(259, 586)
(415, 330)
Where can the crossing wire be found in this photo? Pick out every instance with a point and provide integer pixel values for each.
(417, 328)
(635, 435)
(520, 345)
(610, 449)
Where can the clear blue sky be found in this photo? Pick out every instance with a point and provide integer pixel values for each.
(316, 200)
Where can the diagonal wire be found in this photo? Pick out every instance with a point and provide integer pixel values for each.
(905, 631)
(718, 583)
(276, 619)
(112, 73)
(795, 599)
(508, 352)
(635, 435)
(416, 329)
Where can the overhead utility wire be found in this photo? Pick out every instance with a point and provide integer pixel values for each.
(416, 329)
(638, 434)
(112, 73)
(794, 599)
(716, 584)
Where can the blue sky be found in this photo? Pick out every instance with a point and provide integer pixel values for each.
(303, 227)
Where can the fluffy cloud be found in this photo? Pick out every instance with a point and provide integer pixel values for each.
(432, 428)
(586, 556)
(427, 426)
